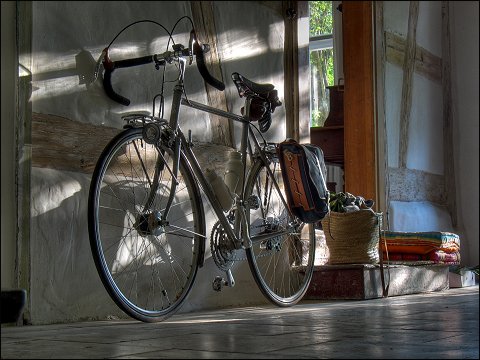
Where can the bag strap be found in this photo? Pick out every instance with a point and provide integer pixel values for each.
(382, 272)
(296, 185)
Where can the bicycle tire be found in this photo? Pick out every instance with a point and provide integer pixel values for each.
(147, 269)
(282, 266)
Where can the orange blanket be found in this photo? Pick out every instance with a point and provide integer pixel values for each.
(420, 242)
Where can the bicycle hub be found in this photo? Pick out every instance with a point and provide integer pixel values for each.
(151, 133)
(149, 224)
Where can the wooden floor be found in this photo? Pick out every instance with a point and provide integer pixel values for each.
(437, 325)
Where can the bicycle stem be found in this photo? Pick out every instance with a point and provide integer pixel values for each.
(177, 99)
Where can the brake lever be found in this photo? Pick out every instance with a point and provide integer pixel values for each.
(193, 37)
(99, 64)
(193, 42)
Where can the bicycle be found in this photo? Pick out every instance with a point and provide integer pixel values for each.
(146, 218)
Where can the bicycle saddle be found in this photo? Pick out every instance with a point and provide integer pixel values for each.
(264, 102)
(248, 87)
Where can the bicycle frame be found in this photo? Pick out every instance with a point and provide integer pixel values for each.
(182, 147)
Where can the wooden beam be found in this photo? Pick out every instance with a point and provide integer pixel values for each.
(359, 103)
(408, 67)
(204, 21)
(291, 86)
(65, 144)
(449, 164)
(383, 186)
(426, 64)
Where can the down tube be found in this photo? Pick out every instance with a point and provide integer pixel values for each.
(190, 156)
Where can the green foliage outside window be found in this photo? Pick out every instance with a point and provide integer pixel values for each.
(321, 19)
(321, 61)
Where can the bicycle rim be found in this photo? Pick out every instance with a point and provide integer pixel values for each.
(147, 267)
(283, 265)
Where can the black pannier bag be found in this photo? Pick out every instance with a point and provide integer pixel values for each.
(304, 175)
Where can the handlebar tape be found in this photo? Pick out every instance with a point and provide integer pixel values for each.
(202, 68)
(107, 77)
(110, 67)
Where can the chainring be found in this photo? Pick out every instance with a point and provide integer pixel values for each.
(223, 252)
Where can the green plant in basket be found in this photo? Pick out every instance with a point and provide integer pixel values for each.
(345, 202)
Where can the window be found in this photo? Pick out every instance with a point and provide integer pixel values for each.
(326, 68)
(323, 57)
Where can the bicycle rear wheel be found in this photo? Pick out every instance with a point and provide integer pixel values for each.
(147, 266)
(282, 265)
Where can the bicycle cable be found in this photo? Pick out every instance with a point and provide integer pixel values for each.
(140, 21)
(260, 133)
(170, 38)
(193, 27)
(162, 97)
(163, 81)
(105, 50)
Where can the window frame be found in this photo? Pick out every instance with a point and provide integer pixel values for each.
(330, 41)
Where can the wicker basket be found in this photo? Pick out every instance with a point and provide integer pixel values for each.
(353, 238)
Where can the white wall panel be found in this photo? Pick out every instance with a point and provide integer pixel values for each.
(67, 39)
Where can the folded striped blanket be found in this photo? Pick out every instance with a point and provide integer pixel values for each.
(439, 247)
(420, 242)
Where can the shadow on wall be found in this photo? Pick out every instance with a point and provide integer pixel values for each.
(61, 73)
(75, 93)
(65, 285)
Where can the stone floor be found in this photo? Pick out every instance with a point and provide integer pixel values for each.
(438, 325)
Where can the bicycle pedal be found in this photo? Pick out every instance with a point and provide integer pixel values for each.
(218, 283)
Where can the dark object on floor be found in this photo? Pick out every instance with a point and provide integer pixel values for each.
(13, 302)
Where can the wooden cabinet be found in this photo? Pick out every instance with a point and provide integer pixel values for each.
(352, 145)
(330, 139)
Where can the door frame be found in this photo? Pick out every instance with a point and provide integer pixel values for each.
(360, 125)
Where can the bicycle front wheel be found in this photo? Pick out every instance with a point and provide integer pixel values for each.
(147, 265)
(282, 261)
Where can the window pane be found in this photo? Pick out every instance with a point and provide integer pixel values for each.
(321, 68)
(321, 19)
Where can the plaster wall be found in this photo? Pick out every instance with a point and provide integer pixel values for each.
(426, 123)
(67, 40)
(64, 283)
(430, 26)
(8, 199)
(425, 132)
(250, 41)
